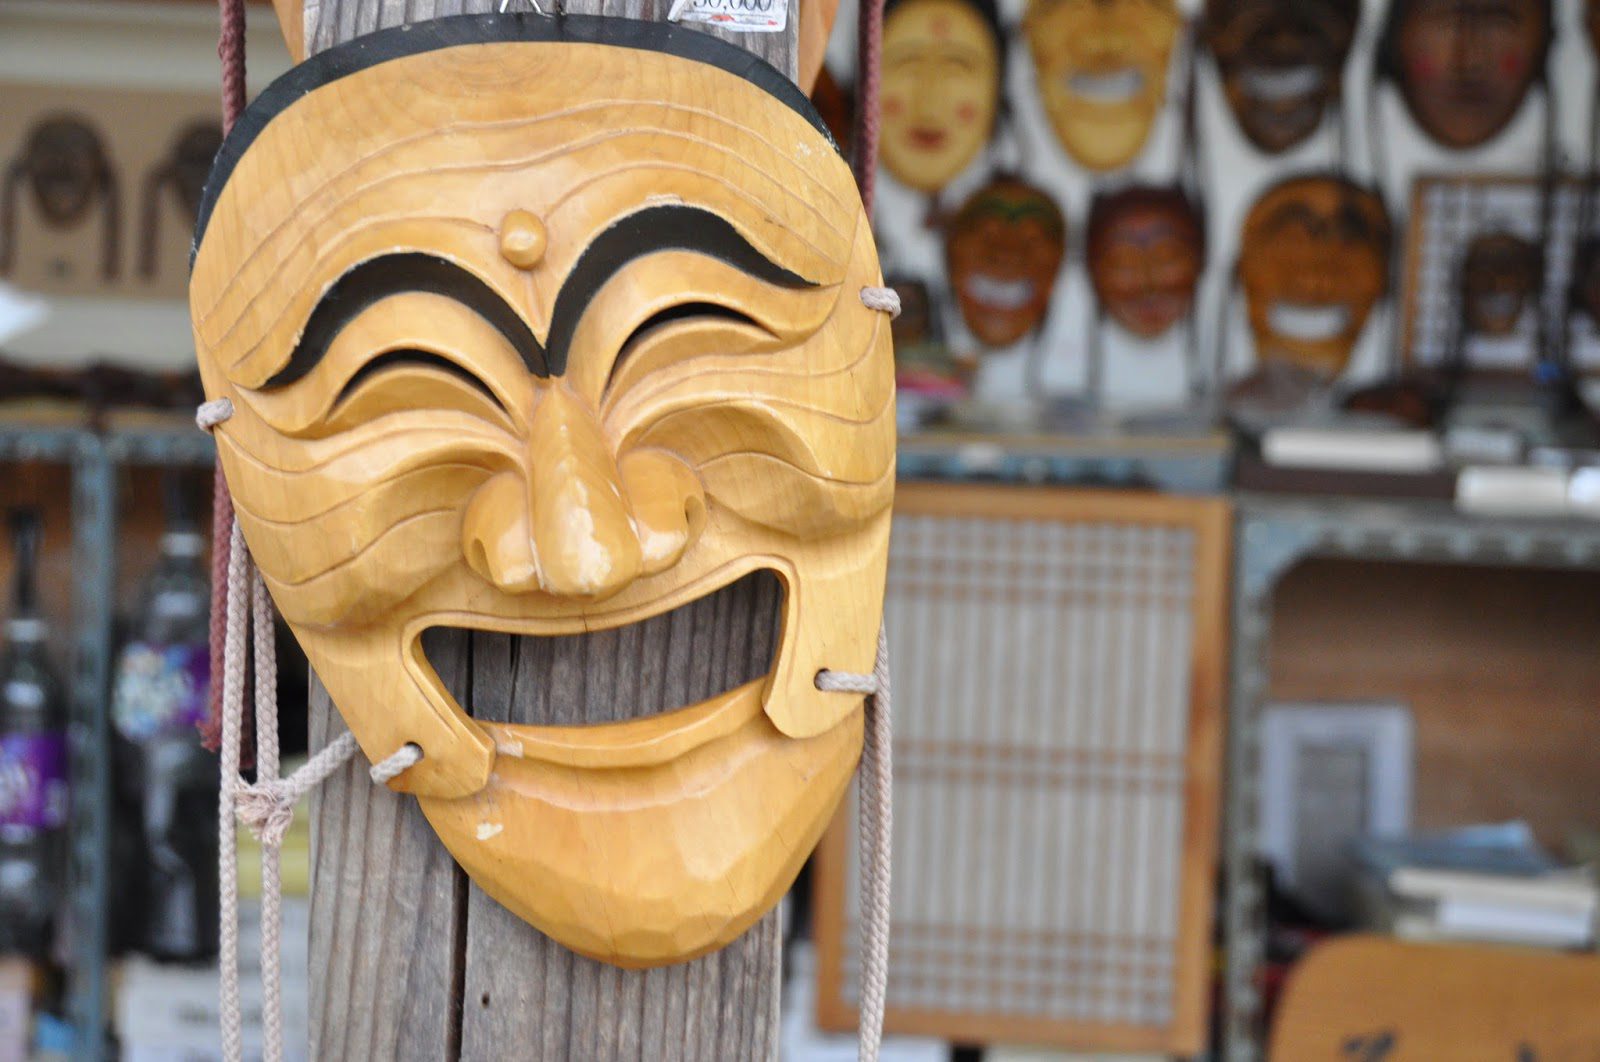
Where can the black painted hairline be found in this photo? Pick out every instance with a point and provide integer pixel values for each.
(404, 42)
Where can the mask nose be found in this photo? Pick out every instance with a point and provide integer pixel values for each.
(576, 520)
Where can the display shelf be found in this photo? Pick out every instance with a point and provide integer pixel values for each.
(51, 435)
(1179, 464)
(1274, 535)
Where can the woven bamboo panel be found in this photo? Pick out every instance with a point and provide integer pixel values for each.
(1058, 659)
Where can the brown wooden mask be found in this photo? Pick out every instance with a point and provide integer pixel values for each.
(1146, 251)
(1003, 253)
(1499, 275)
(1281, 63)
(1464, 67)
(941, 86)
(549, 361)
(1102, 72)
(1314, 260)
(65, 166)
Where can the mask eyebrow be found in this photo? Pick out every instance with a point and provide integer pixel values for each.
(661, 228)
(397, 274)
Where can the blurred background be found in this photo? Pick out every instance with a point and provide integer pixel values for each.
(1245, 578)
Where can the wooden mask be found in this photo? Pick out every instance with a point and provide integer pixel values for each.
(1003, 253)
(64, 164)
(524, 335)
(1314, 261)
(1499, 274)
(941, 86)
(1102, 72)
(1146, 250)
(1281, 63)
(1464, 68)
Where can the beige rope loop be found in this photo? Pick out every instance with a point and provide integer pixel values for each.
(884, 300)
(210, 414)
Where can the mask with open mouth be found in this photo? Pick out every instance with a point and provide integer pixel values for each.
(1281, 63)
(1314, 261)
(1102, 72)
(1464, 68)
(1003, 253)
(1499, 274)
(545, 362)
(1147, 247)
(941, 88)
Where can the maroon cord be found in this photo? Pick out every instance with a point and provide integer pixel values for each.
(869, 46)
(230, 49)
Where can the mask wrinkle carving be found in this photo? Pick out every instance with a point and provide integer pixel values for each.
(713, 401)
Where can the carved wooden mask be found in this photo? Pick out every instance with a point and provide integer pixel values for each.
(1314, 260)
(1003, 253)
(1102, 72)
(1146, 251)
(941, 86)
(65, 167)
(1464, 67)
(544, 362)
(1281, 63)
(1500, 273)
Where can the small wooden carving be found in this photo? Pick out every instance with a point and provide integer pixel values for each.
(941, 88)
(1314, 261)
(541, 362)
(1147, 246)
(65, 166)
(1464, 70)
(184, 173)
(1102, 72)
(1500, 275)
(1281, 64)
(1005, 249)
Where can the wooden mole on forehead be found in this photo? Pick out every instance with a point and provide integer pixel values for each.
(654, 420)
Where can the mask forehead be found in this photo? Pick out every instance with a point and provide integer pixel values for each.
(941, 86)
(552, 362)
(1465, 67)
(1102, 72)
(1313, 263)
(1281, 63)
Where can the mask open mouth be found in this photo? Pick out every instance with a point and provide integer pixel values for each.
(999, 294)
(1118, 86)
(664, 667)
(1281, 85)
(1309, 322)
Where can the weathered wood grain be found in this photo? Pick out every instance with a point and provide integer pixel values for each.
(410, 961)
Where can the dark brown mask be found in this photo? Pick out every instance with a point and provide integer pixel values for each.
(1499, 274)
(1281, 63)
(1146, 251)
(1464, 67)
(1005, 248)
(67, 164)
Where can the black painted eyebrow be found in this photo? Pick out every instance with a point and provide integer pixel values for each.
(661, 228)
(397, 274)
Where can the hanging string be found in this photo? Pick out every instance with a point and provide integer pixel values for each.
(869, 58)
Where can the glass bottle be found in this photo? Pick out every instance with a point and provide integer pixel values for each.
(162, 682)
(33, 763)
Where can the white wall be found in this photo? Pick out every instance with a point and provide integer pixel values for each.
(1140, 374)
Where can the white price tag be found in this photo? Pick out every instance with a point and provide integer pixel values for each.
(751, 16)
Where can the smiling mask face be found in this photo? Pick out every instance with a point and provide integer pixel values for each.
(1281, 62)
(941, 85)
(1005, 248)
(1465, 66)
(1102, 72)
(1499, 276)
(549, 362)
(1313, 263)
(1146, 250)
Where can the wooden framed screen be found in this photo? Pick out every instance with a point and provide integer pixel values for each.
(1058, 663)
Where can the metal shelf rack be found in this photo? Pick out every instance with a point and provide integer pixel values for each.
(1273, 535)
(94, 458)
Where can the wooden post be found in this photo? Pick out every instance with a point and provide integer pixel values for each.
(409, 960)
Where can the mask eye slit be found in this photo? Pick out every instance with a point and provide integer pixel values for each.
(687, 311)
(417, 359)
